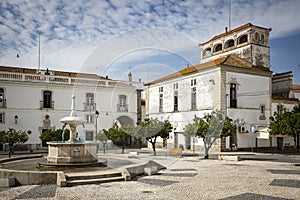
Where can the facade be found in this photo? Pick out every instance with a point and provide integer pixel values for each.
(37, 101)
(285, 95)
(233, 77)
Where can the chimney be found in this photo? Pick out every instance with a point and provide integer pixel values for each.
(226, 29)
(129, 77)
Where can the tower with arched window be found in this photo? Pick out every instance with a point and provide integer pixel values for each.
(249, 42)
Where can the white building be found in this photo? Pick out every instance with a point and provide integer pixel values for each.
(233, 76)
(27, 97)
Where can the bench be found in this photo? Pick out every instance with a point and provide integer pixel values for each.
(176, 151)
(229, 157)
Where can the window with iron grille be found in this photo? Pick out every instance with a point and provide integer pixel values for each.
(193, 98)
(175, 100)
(233, 99)
(161, 102)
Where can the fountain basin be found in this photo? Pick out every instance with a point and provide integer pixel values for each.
(71, 152)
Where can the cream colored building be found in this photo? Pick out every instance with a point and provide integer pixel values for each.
(27, 97)
(233, 76)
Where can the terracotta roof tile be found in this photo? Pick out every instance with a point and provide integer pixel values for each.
(231, 31)
(229, 60)
(295, 87)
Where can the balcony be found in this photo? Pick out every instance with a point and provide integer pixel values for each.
(46, 105)
(122, 108)
(88, 107)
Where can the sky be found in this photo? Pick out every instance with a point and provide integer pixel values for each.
(150, 38)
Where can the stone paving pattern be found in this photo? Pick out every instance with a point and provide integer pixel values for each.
(187, 178)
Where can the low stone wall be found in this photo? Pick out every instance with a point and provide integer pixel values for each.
(30, 177)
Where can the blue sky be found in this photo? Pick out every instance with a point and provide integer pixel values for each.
(149, 38)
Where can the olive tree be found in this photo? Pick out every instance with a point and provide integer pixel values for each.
(13, 138)
(210, 127)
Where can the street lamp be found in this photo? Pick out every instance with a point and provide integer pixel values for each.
(16, 119)
(96, 116)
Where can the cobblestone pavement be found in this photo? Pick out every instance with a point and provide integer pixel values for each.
(186, 178)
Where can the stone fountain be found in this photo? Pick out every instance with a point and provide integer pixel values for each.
(72, 151)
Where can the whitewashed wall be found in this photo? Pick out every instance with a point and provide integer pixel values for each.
(252, 92)
(23, 99)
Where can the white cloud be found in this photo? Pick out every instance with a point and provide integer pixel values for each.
(71, 29)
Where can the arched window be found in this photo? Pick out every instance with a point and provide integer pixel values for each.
(243, 39)
(229, 43)
(218, 47)
(262, 39)
(256, 38)
(207, 52)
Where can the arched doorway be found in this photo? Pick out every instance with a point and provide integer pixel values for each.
(124, 121)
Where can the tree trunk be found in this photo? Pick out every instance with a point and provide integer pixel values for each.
(206, 156)
(123, 148)
(153, 147)
(104, 144)
(298, 145)
(206, 148)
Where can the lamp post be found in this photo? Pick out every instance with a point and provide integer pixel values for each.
(16, 119)
(96, 117)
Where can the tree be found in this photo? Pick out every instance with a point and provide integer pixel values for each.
(151, 129)
(55, 135)
(117, 135)
(287, 123)
(13, 138)
(210, 128)
(102, 138)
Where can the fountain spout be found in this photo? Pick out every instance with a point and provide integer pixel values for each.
(73, 121)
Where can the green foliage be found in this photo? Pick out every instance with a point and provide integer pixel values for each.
(286, 123)
(13, 137)
(118, 136)
(209, 128)
(55, 135)
(151, 129)
(102, 137)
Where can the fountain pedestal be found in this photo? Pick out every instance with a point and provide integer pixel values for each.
(71, 152)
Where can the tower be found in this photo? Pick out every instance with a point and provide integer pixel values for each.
(248, 41)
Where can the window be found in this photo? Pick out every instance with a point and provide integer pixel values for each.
(123, 107)
(1, 117)
(256, 38)
(233, 100)
(90, 119)
(47, 99)
(2, 100)
(243, 39)
(229, 43)
(262, 110)
(175, 86)
(175, 100)
(279, 109)
(89, 135)
(193, 98)
(160, 102)
(218, 47)
(160, 89)
(90, 102)
(262, 39)
(207, 52)
(193, 82)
